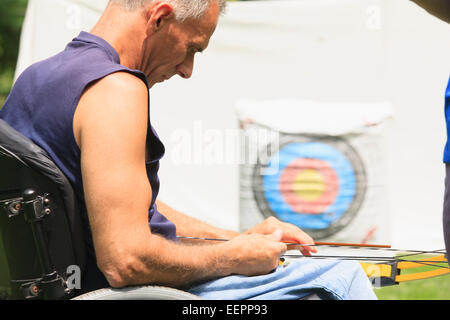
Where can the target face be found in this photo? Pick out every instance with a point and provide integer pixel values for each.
(319, 184)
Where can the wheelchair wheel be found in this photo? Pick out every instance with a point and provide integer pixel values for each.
(138, 293)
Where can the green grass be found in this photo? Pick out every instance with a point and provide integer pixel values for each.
(437, 288)
(428, 289)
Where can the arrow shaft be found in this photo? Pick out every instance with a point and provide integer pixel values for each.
(332, 244)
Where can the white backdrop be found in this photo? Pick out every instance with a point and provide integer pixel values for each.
(333, 51)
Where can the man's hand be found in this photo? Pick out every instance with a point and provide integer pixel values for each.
(255, 254)
(290, 233)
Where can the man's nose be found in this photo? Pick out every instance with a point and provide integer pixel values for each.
(185, 69)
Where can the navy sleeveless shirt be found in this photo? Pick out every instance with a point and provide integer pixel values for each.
(41, 106)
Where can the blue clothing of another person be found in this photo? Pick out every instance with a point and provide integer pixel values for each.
(446, 214)
(329, 279)
(447, 121)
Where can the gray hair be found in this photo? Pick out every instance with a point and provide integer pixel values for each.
(183, 9)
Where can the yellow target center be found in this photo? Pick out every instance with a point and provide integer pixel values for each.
(309, 185)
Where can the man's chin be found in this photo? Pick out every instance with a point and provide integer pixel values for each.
(152, 83)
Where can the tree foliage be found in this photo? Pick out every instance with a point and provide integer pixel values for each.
(11, 18)
(12, 13)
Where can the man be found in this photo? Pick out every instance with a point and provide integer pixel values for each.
(441, 9)
(88, 107)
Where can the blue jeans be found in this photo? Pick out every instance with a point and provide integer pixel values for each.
(329, 279)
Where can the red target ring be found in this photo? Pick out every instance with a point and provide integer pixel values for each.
(309, 186)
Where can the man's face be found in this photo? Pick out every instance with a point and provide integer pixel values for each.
(172, 49)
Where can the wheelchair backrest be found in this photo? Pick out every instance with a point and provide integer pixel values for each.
(40, 223)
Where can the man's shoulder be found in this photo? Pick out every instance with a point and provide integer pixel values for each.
(117, 88)
(119, 100)
(122, 82)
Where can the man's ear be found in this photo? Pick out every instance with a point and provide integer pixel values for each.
(158, 15)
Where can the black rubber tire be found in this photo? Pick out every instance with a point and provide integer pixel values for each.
(138, 293)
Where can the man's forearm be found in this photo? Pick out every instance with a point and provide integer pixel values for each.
(144, 258)
(189, 226)
(438, 8)
(163, 262)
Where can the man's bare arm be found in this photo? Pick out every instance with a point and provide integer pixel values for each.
(189, 226)
(438, 8)
(110, 126)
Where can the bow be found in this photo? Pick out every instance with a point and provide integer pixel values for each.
(381, 270)
(406, 265)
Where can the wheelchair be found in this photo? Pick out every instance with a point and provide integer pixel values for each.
(41, 233)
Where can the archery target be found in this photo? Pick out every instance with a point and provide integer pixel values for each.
(319, 184)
